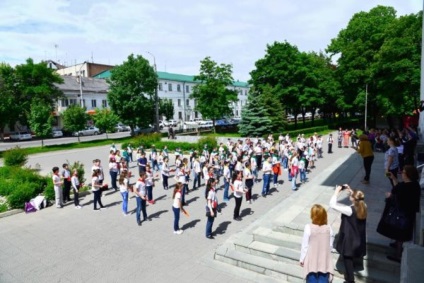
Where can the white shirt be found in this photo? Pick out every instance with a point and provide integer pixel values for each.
(165, 169)
(177, 200)
(56, 179)
(238, 188)
(227, 173)
(123, 187)
(140, 188)
(196, 166)
(267, 167)
(346, 210)
(149, 179)
(75, 182)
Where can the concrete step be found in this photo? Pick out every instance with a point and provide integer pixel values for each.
(283, 247)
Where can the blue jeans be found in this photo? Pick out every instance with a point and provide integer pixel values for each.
(294, 182)
(209, 224)
(125, 202)
(290, 176)
(149, 193)
(255, 173)
(176, 218)
(141, 207)
(165, 181)
(196, 179)
(317, 277)
(113, 177)
(183, 192)
(302, 175)
(265, 188)
(155, 165)
(285, 162)
(275, 179)
(226, 187)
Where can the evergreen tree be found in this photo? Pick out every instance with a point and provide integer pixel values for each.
(254, 118)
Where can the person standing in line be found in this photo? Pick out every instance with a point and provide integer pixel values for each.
(97, 193)
(253, 167)
(365, 150)
(248, 181)
(130, 150)
(180, 177)
(66, 176)
(57, 185)
(150, 183)
(391, 160)
(177, 206)
(340, 137)
(294, 166)
(75, 187)
(123, 189)
(141, 197)
(258, 153)
(352, 233)
(142, 163)
(330, 143)
(227, 180)
(266, 170)
(276, 169)
(317, 243)
(238, 194)
(211, 206)
(165, 173)
(113, 171)
(197, 172)
(302, 169)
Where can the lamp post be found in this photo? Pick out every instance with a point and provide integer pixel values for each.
(156, 96)
(80, 83)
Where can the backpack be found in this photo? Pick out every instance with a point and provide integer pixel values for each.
(29, 208)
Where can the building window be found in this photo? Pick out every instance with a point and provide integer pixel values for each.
(196, 114)
(179, 102)
(93, 103)
(160, 86)
(236, 113)
(72, 101)
(83, 103)
(179, 88)
(65, 103)
(180, 115)
(104, 103)
(187, 88)
(245, 92)
(169, 87)
(187, 102)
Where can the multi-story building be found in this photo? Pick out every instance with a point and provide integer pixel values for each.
(178, 88)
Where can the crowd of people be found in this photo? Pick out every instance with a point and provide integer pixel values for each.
(234, 168)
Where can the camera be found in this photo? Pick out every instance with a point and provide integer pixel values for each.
(344, 187)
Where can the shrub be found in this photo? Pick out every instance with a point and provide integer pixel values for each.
(15, 157)
(22, 193)
(4, 206)
(80, 169)
(49, 190)
(209, 141)
(145, 140)
(172, 146)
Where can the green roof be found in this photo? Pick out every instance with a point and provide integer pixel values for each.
(169, 77)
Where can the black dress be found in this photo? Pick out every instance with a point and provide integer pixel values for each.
(407, 196)
(352, 236)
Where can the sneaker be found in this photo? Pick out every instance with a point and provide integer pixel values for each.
(103, 208)
(179, 232)
(78, 207)
(250, 201)
(96, 209)
(125, 214)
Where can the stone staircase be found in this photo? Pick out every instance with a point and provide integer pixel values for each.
(271, 246)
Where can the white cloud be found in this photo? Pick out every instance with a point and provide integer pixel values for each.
(178, 33)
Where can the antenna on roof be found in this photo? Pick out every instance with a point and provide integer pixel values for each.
(92, 60)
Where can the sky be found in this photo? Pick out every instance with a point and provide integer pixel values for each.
(177, 35)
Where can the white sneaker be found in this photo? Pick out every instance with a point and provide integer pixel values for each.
(179, 232)
(103, 208)
(78, 207)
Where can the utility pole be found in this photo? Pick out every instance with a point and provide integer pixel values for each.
(156, 96)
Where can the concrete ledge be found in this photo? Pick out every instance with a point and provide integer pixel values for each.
(11, 212)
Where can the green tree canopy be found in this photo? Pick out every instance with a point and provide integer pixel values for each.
(75, 119)
(41, 119)
(212, 93)
(131, 92)
(255, 119)
(166, 108)
(8, 106)
(105, 120)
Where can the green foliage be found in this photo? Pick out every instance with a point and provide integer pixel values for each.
(15, 157)
(132, 87)
(49, 189)
(209, 141)
(172, 146)
(213, 97)
(41, 119)
(79, 166)
(146, 140)
(75, 118)
(308, 131)
(255, 120)
(105, 120)
(7, 96)
(22, 193)
(166, 108)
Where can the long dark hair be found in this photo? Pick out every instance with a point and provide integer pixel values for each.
(209, 186)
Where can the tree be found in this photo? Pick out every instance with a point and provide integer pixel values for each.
(41, 119)
(356, 46)
(105, 120)
(166, 108)
(75, 119)
(213, 97)
(8, 105)
(254, 118)
(131, 92)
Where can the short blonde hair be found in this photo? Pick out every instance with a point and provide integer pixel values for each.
(318, 215)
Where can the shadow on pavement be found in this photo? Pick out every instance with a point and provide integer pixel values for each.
(222, 227)
(160, 198)
(157, 214)
(246, 212)
(191, 200)
(190, 224)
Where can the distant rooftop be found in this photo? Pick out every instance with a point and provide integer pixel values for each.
(170, 77)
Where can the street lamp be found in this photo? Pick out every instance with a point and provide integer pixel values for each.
(156, 96)
(80, 83)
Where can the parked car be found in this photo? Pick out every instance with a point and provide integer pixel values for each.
(205, 122)
(138, 130)
(122, 128)
(20, 136)
(56, 133)
(172, 123)
(221, 122)
(89, 131)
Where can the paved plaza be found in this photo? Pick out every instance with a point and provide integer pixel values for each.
(70, 245)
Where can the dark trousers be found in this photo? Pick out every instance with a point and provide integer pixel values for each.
(165, 181)
(176, 218)
(348, 264)
(249, 185)
(259, 161)
(196, 179)
(209, 224)
(149, 193)
(238, 205)
(113, 177)
(367, 166)
(76, 198)
(66, 190)
(330, 148)
(394, 172)
(141, 208)
(97, 198)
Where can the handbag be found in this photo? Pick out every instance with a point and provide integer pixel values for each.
(395, 217)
